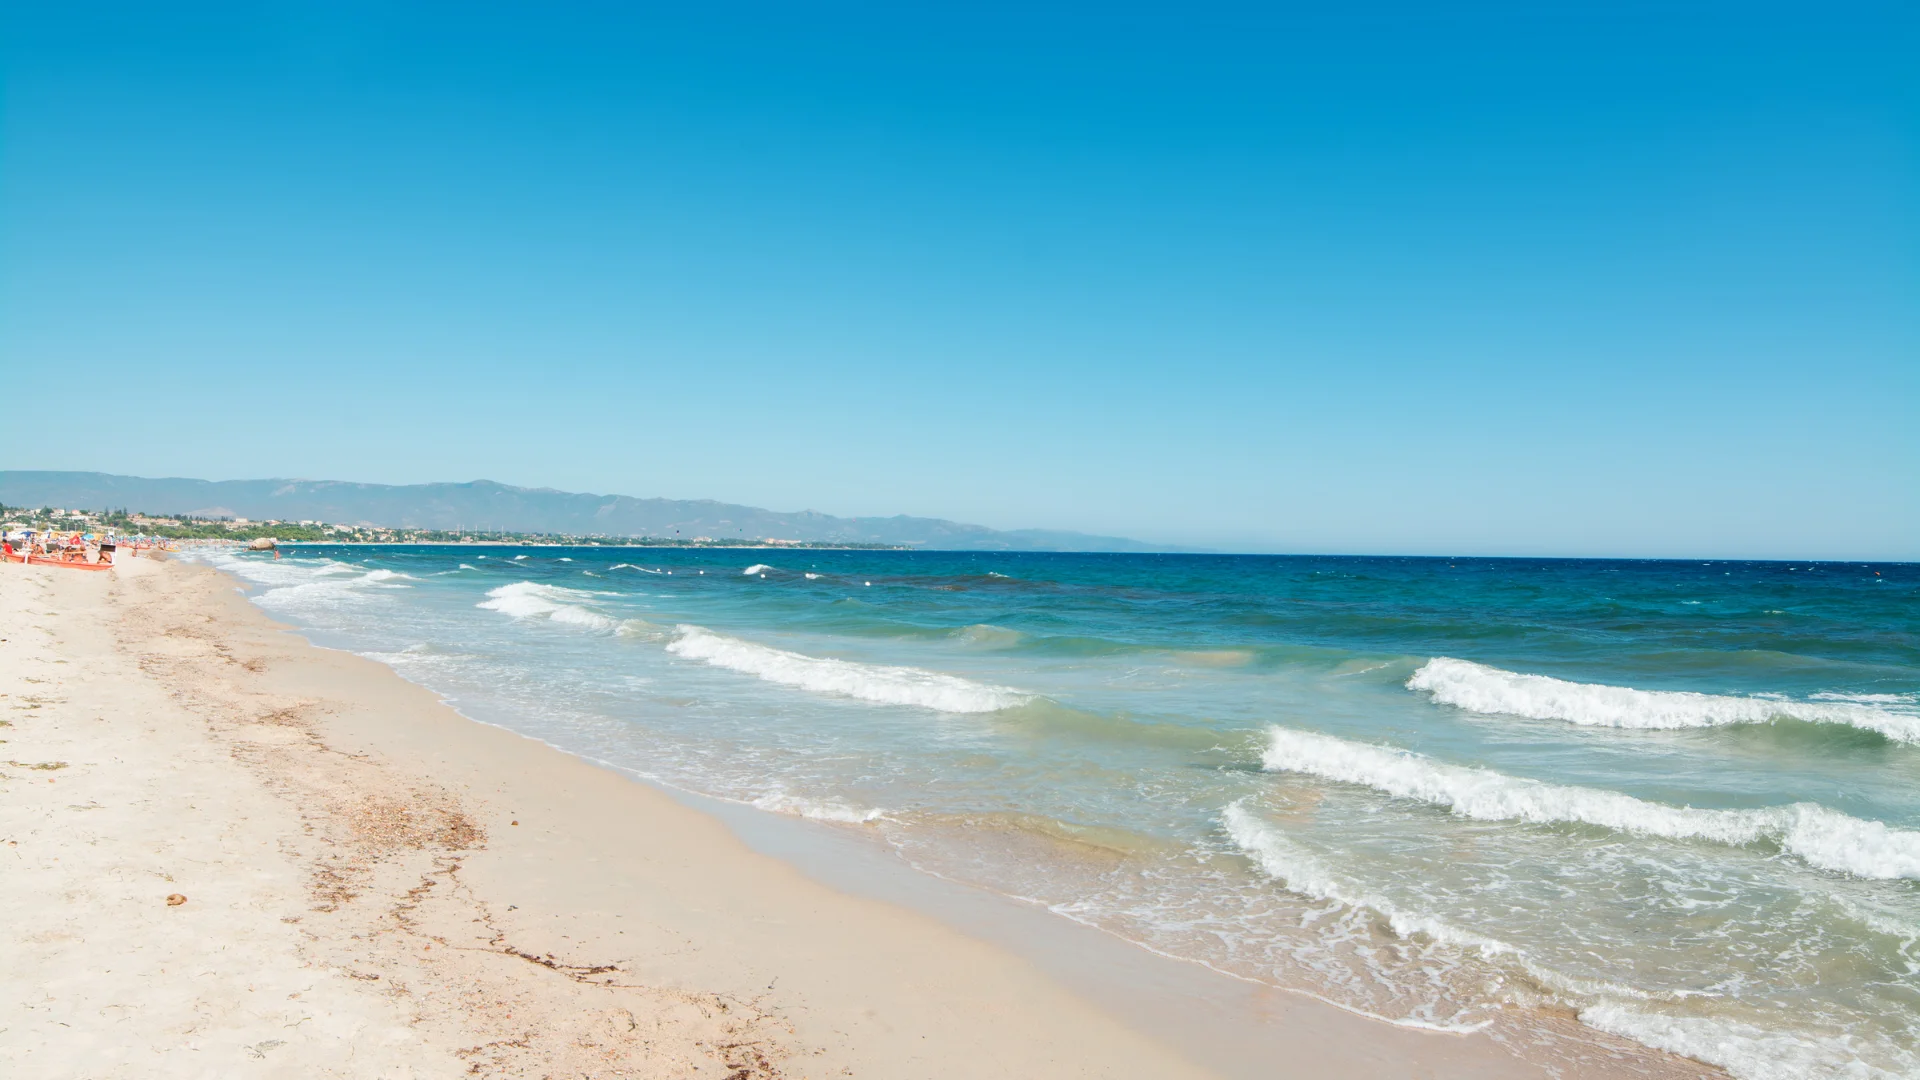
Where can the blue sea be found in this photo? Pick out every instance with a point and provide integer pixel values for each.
(1680, 800)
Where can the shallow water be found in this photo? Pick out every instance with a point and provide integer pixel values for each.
(1679, 798)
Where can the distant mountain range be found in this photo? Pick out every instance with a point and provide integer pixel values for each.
(486, 505)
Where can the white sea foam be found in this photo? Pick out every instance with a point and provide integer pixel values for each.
(412, 654)
(1305, 873)
(1746, 1051)
(811, 576)
(1824, 838)
(299, 585)
(835, 810)
(1484, 689)
(322, 593)
(756, 568)
(867, 682)
(530, 600)
(1897, 700)
(276, 572)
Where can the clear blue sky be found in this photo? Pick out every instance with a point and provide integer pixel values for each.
(1616, 278)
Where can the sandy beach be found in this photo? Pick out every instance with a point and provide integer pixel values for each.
(230, 853)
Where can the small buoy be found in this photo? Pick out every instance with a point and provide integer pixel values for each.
(175, 899)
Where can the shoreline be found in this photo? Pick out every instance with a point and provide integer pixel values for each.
(562, 895)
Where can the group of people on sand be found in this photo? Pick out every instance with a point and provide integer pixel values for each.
(53, 547)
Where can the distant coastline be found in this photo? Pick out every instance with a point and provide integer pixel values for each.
(486, 509)
(242, 530)
(635, 542)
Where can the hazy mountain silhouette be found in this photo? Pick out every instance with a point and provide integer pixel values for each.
(486, 505)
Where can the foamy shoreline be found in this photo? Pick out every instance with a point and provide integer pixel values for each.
(376, 886)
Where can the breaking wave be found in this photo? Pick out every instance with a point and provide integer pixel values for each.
(867, 682)
(1821, 837)
(296, 586)
(756, 568)
(531, 600)
(1483, 689)
(1304, 872)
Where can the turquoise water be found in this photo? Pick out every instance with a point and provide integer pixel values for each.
(1679, 798)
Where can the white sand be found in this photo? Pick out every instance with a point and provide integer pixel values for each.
(114, 798)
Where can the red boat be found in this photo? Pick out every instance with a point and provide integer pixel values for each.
(29, 558)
